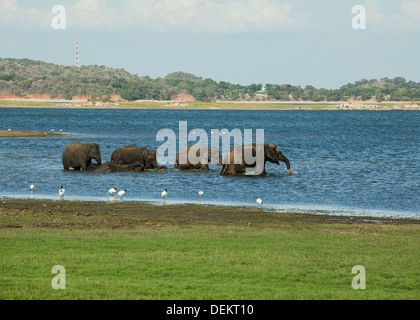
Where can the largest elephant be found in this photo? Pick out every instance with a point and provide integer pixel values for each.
(236, 160)
(197, 157)
(137, 156)
(79, 155)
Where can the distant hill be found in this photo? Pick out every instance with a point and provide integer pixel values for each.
(22, 77)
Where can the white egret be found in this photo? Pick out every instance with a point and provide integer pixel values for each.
(164, 194)
(61, 192)
(121, 194)
(259, 202)
(112, 191)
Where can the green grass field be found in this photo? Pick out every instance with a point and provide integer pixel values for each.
(139, 251)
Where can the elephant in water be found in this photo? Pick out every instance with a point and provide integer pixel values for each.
(137, 156)
(79, 155)
(268, 152)
(197, 157)
(109, 167)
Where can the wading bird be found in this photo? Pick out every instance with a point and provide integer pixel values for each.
(164, 194)
(121, 194)
(31, 187)
(259, 202)
(200, 193)
(112, 191)
(61, 192)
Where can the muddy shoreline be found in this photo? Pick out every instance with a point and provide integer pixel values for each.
(21, 213)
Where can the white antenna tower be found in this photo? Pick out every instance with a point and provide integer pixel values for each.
(77, 53)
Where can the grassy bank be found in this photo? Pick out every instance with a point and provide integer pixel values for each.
(220, 105)
(165, 105)
(192, 105)
(140, 251)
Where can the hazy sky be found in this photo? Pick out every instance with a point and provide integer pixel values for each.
(250, 41)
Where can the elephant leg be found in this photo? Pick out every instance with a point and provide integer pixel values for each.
(148, 166)
(225, 170)
(205, 167)
(154, 165)
(264, 173)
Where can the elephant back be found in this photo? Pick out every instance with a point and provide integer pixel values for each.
(128, 154)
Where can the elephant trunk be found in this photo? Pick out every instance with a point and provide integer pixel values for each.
(98, 160)
(287, 162)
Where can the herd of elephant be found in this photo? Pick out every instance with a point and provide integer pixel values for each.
(137, 159)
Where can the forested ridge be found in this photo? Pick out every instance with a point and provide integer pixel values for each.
(24, 76)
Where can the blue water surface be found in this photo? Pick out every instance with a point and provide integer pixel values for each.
(347, 162)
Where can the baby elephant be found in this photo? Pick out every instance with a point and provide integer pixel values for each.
(79, 155)
(108, 167)
(137, 156)
(197, 157)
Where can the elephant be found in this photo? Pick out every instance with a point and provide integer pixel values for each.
(79, 155)
(109, 167)
(203, 156)
(270, 152)
(136, 156)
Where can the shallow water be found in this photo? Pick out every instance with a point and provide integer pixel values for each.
(347, 162)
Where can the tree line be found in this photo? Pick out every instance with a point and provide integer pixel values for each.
(24, 76)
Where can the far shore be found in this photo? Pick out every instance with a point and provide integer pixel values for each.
(214, 105)
(27, 134)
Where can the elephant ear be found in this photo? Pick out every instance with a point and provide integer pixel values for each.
(270, 152)
(144, 153)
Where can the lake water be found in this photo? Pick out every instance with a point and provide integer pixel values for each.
(347, 162)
